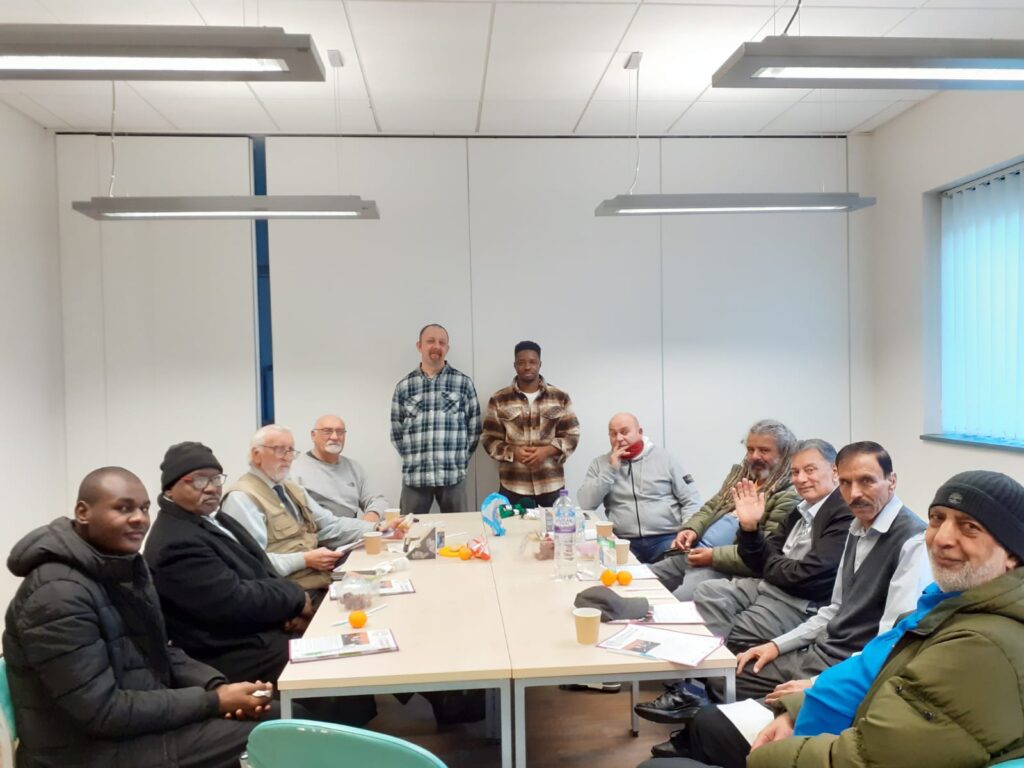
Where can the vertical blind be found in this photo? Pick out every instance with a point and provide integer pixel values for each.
(983, 309)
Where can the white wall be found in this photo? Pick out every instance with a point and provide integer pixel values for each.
(948, 138)
(699, 324)
(158, 316)
(32, 379)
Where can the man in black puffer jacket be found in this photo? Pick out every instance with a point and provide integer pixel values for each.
(93, 679)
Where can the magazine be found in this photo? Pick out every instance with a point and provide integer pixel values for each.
(666, 645)
(360, 643)
(387, 586)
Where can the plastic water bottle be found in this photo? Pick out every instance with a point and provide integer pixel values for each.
(565, 537)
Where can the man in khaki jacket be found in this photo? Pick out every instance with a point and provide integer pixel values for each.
(298, 534)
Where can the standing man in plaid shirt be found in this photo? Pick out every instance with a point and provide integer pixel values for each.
(530, 430)
(435, 426)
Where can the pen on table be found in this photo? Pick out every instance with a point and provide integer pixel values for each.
(372, 610)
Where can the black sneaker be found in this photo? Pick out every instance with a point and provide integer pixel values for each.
(675, 705)
(678, 745)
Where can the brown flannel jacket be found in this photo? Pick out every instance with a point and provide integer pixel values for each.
(511, 422)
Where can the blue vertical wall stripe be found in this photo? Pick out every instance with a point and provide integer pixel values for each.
(265, 344)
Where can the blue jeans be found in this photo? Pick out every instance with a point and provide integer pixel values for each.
(647, 549)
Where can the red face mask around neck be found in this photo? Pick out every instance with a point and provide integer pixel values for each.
(634, 450)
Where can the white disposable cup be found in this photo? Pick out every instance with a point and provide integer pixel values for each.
(621, 551)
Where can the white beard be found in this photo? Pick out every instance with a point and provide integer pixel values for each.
(967, 576)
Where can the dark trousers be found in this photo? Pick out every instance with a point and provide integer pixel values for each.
(214, 743)
(714, 741)
(539, 499)
(450, 498)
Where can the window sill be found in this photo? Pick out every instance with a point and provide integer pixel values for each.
(981, 442)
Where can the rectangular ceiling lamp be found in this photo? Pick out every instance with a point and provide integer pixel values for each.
(139, 52)
(875, 62)
(740, 202)
(228, 207)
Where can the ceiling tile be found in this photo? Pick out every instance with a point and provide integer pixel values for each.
(814, 118)
(317, 115)
(427, 116)
(122, 12)
(85, 112)
(25, 12)
(933, 22)
(873, 94)
(782, 95)
(884, 116)
(34, 111)
(215, 115)
(727, 117)
(545, 117)
(682, 46)
(424, 50)
(551, 51)
(844, 22)
(616, 117)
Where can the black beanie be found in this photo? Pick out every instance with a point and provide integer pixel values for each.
(182, 458)
(993, 499)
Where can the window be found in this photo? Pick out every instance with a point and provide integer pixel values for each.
(982, 310)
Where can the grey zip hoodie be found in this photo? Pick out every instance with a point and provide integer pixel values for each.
(648, 496)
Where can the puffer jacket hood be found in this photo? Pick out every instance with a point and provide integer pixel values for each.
(59, 543)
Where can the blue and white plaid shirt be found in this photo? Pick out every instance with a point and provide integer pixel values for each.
(435, 426)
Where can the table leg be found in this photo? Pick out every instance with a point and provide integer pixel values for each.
(505, 694)
(634, 694)
(519, 723)
(286, 705)
(730, 686)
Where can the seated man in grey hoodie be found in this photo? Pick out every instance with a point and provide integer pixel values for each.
(646, 492)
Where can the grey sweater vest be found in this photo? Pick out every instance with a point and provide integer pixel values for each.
(865, 591)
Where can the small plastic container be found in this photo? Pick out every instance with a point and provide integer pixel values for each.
(357, 592)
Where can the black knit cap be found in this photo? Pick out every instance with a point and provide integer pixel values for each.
(183, 458)
(612, 605)
(993, 499)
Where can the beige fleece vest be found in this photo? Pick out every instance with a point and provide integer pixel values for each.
(285, 534)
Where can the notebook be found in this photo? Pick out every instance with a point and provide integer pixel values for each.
(358, 643)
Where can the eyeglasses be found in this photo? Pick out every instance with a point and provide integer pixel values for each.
(201, 483)
(327, 432)
(281, 451)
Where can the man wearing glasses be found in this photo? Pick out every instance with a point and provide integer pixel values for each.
(299, 535)
(336, 482)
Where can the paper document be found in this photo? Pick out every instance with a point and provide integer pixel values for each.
(667, 613)
(360, 643)
(650, 642)
(387, 587)
(749, 716)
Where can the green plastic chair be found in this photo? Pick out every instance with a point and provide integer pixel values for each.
(312, 744)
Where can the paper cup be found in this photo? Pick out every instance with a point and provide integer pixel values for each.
(392, 514)
(621, 551)
(373, 542)
(588, 622)
(604, 529)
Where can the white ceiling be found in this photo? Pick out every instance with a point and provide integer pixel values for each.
(497, 67)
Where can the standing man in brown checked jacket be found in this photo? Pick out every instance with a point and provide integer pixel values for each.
(530, 430)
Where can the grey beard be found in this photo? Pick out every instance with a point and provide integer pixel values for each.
(967, 576)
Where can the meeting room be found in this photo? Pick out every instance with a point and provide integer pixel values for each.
(513, 383)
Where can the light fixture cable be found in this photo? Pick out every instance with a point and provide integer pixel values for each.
(113, 145)
(636, 129)
(792, 18)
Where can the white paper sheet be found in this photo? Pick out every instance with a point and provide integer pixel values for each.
(749, 716)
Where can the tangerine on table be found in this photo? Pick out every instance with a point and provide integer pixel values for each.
(625, 578)
(608, 577)
(465, 553)
(357, 619)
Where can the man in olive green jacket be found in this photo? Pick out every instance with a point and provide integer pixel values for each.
(943, 686)
(770, 447)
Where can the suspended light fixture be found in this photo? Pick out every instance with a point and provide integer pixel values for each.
(228, 207)
(719, 202)
(130, 52)
(874, 62)
(198, 207)
(739, 202)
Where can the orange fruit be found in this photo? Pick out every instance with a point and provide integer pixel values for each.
(465, 553)
(625, 578)
(357, 619)
(607, 577)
